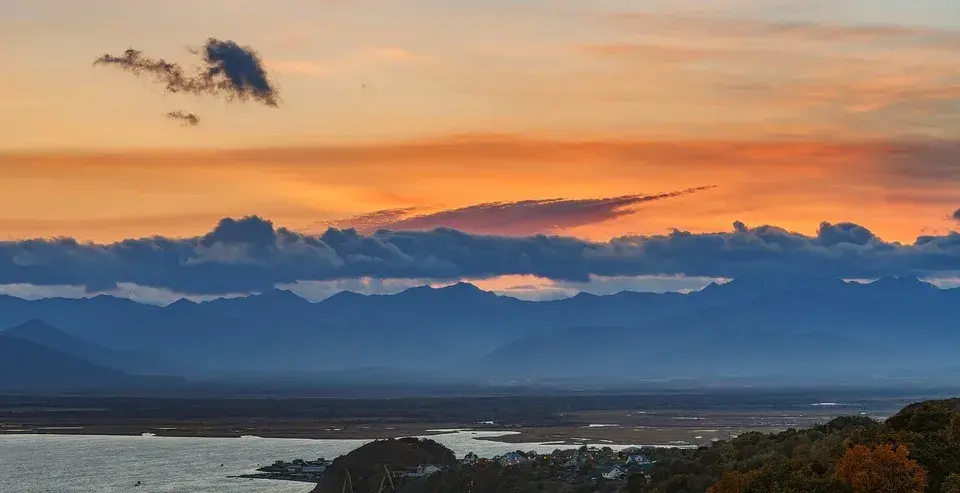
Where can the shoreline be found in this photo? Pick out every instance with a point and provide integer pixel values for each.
(499, 436)
(614, 428)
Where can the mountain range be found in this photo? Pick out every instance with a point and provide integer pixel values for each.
(741, 329)
(37, 357)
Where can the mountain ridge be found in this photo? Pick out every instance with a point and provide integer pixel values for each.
(463, 330)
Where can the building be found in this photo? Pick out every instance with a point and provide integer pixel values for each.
(512, 459)
(615, 473)
(638, 460)
(421, 471)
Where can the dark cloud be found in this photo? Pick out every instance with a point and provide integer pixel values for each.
(235, 71)
(250, 254)
(513, 218)
(187, 118)
(956, 215)
(228, 70)
(161, 70)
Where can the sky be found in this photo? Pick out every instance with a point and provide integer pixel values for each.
(594, 120)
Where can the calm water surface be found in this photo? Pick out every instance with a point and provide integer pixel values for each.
(68, 464)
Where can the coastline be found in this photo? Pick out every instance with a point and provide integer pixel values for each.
(611, 428)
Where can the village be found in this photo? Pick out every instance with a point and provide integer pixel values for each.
(585, 465)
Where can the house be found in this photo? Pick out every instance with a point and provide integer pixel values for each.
(313, 469)
(638, 460)
(421, 471)
(615, 473)
(512, 459)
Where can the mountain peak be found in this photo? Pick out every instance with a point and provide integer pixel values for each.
(33, 325)
(902, 283)
(280, 295)
(182, 302)
(462, 287)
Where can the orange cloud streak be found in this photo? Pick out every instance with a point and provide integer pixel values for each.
(899, 188)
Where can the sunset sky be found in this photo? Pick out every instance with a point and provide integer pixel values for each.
(785, 112)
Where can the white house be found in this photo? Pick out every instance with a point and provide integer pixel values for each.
(615, 473)
(421, 471)
(638, 460)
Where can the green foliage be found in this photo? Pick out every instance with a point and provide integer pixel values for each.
(804, 460)
(836, 457)
(951, 484)
(636, 483)
(365, 464)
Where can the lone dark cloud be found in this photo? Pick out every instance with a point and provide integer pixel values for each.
(187, 118)
(250, 254)
(512, 218)
(956, 215)
(235, 71)
(228, 70)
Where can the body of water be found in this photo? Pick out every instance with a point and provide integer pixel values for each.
(114, 464)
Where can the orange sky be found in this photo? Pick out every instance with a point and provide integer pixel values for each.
(797, 111)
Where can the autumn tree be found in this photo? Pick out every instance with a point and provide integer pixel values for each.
(734, 482)
(883, 469)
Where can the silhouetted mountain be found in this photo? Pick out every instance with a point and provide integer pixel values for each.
(29, 367)
(751, 329)
(39, 332)
(744, 327)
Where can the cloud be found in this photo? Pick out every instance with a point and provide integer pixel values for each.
(228, 70)
(189, 119)
(820, 32)
(956, 215)
(512, 218)
(250, 254)
(375, 220)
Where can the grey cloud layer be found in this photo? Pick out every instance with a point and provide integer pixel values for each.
(250, 254)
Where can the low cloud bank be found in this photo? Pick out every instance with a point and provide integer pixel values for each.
(251, 254)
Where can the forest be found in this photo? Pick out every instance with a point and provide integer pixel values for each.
(915, 451)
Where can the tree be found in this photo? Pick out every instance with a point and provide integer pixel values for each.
(637, 482)
(734, 482)
(883, 469)
(952, 484)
